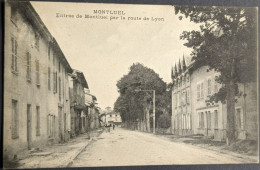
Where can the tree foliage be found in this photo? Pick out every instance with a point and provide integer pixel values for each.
(227, 43)
(131, 103)
(164, 120)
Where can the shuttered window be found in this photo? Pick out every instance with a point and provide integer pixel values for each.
(37, 73)
(15, 120)
(14, 54)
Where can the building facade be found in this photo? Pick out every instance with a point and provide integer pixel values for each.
(78, 109)
(181, 100)
(91, 102)
(113, 118)
(35, 81)
(210, 119)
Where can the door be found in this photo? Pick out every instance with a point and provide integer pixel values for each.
(29, 127)
(65, 126)
(60, 123)
(208, 122)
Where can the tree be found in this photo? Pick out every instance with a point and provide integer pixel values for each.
(137, 105)
(227, 43)
(164, 121)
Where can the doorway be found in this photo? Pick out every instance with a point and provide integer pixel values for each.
(29, 127)
(60, 123)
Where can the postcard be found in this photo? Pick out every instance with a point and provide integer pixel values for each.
(96, 85)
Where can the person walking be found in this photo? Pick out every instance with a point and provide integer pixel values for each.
(113, 127)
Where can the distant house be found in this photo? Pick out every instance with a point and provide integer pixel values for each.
(113, 118)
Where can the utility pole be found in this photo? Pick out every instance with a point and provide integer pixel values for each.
(153, 111)
(153, 107)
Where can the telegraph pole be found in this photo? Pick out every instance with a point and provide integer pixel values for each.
(153, 111)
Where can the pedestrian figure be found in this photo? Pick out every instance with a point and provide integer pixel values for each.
(113, 127)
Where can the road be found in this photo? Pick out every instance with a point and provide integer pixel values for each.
(129, 148)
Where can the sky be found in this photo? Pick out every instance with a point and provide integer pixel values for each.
(104, 49)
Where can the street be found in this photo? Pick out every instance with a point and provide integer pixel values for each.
(122, 147)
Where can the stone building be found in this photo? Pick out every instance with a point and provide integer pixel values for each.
(78, 109)
(181, 100)
(192, 87)
(36, 101)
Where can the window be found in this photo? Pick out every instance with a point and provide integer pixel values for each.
(239, 119)
(183, 96)
(38, 121)
(188, 96)
(15, 120)
(176, 99)
(37, 41)
(201, 120)
(216, 119)
(53, 60)
(184, 122)
(49, 51)
(29, 69)
(49, 78)
(208, 120)
(51, 125)
(59, 88)
(188, 121)
(209, 86)
(37, 73)
(55, 82)
(65, 121)
(200, 93)
(216, 85)
(179, 98)
(14, 54)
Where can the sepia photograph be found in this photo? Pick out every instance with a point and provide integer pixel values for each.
(108, 85)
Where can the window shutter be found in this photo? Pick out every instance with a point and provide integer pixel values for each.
(198, 91)
(202, 94)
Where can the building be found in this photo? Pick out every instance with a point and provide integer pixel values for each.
(78, 109)
(102, 118)
(35, 81)
(181, 100)
(113, 118)
(192, 87)
(91, 102)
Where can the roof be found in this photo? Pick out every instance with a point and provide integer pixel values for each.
(93, 97)
(26, 9)
(113, 113)
(81, 77)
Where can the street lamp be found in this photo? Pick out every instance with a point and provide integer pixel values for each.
(153, 107)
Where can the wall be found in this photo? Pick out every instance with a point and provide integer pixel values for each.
(17, 86)
(247, 106)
